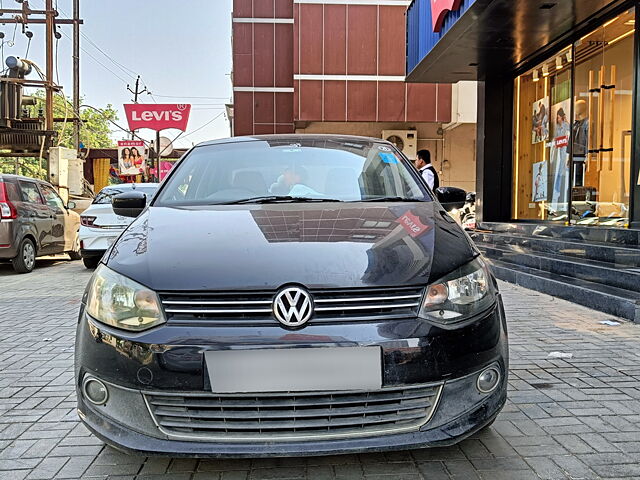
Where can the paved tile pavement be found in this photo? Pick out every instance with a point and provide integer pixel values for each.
(569, 418)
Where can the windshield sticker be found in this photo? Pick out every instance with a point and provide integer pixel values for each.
(388, 157)
(384, 148)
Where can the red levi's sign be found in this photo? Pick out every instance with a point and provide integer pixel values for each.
(439, 10)
(157, 116)
(412, 224)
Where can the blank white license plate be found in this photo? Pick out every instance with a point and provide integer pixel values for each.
(295, 369)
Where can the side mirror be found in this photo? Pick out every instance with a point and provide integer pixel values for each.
(129, 204)
(71, 205)
(451, 197)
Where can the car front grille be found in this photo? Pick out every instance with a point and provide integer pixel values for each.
(255, 307)
(293, 416)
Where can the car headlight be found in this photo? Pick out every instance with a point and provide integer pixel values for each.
(118, 301)
(467, 291)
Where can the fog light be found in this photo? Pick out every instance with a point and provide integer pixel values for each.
(95, 391)
(488, 380)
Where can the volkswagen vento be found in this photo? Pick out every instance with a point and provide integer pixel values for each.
(290, 295)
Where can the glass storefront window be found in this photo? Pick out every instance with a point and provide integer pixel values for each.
(602, 126)
(572, 131)
(542, 135)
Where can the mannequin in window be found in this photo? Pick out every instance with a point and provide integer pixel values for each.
(580, 135)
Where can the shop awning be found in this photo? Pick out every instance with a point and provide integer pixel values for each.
(486, 37)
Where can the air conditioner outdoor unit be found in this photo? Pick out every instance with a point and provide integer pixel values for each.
(405, 140)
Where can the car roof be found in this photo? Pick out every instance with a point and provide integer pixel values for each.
(292, 137)
(22, 177)
(130, 186)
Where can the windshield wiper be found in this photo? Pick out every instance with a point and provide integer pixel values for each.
(277, 199)
(390, 199)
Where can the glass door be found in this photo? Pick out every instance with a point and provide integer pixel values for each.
(601, 128)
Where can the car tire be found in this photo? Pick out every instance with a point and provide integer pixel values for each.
(25, 261)
(75, 253)
(91, 262)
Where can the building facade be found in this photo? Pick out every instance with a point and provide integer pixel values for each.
(558, 102)
(338, 66)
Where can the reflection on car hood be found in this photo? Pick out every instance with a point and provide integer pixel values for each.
(267, 246)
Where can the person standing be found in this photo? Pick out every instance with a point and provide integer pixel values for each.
(428, 172)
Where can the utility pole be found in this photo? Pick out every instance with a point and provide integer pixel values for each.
(50, 29)
(76, 74)
(135, 92)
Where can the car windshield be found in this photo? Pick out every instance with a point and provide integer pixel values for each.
(299, 169)
(106, 194)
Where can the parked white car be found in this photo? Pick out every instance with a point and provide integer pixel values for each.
(100, 226)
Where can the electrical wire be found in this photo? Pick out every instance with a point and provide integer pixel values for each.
(201, 127)
(97, 61)
(122, 67)
(187, 97)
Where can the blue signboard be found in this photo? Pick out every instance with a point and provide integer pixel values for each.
(420, 35)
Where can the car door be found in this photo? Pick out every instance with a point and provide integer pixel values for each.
(37, 213)
(58, 213)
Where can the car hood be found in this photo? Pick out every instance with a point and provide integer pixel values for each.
(318, 245)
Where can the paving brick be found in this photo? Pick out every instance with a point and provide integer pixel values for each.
(578, 418)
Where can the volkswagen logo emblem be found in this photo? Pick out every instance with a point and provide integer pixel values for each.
(293, 306)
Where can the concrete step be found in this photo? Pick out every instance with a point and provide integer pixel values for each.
(628, 255)
(605, 273)
(615, 301)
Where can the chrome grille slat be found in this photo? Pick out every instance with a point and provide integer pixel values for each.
(254, 307)
(291, 416)
(270, 401)
(287, 425)
(220, 412)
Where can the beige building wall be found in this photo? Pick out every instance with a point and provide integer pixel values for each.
(453, 152)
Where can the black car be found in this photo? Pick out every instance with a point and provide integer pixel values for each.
(290, 295)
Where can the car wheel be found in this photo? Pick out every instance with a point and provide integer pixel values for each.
(91, 262)
(75, 253)
(25, 261)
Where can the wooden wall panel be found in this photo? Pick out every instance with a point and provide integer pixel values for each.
(243, 70)
(264, 129)
(361, 101)
(310, 32)
(362, 39)
(263, 68)
(335, 97)
(264, 107)
(391, 101)
(242, 38)
(263, 8)
(310, 92)
(392, 45)
(421, 105)
(242, 8)
(284, 107)
(335, 40)
(284, 55)
(284, 8)
(243, 113)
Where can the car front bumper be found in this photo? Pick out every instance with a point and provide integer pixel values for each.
(169, 360)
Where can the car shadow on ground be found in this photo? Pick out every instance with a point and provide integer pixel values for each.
(6, 269)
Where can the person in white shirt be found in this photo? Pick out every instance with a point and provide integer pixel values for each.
(428, 172)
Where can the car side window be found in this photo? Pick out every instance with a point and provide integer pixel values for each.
(12, 191)
(30, 192)
(52, 198)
